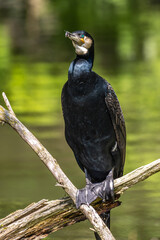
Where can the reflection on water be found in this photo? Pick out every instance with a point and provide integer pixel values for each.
(34, 60)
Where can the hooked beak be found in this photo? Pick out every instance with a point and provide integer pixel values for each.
(74, 37)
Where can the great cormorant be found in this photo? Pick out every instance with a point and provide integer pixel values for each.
(94, 123)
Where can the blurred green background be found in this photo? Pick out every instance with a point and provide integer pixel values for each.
(34, 61)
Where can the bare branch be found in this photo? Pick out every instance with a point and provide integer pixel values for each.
(53, 166)
(140, 174)
(41, 218)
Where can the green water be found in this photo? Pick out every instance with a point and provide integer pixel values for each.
(34, 61)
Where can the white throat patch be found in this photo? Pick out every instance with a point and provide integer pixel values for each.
(80, 50)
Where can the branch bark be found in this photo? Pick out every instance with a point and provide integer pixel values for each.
(39, 219)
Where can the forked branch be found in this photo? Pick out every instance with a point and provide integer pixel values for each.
(51, 163)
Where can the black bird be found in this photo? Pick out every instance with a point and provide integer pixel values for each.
(94, 123)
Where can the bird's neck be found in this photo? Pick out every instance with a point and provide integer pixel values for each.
(79, 67)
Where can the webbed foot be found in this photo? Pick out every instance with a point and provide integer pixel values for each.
(104, 190)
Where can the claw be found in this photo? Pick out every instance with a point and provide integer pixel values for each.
(104, 190)
(85, 196)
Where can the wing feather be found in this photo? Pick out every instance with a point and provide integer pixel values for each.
(118, 122)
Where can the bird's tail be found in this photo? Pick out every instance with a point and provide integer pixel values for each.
(106, 218)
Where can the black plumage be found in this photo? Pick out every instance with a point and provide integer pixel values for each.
(94, 123)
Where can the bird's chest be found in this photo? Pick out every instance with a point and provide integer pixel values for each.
(82, 104)
(86, 114)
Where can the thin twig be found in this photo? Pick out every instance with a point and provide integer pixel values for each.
(8, 103)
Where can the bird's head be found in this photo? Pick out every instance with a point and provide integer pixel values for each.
(82, 42)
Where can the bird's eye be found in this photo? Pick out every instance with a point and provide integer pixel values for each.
(82, 36)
